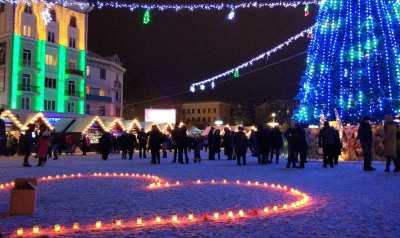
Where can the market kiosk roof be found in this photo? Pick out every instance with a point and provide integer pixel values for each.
(110, 123)
(63, 124)
(82, 124)
(13, 119)
(32, 118)
(129, 124)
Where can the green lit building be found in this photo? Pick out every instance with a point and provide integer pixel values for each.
(43, 58)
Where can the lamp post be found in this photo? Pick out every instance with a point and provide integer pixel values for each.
(273, 117)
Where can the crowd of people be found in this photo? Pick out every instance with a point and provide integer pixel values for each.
(263, 143)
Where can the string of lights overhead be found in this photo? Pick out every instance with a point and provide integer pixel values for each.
(235, 71)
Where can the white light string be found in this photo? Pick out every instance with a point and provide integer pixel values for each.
(201, 84)
(176, 7)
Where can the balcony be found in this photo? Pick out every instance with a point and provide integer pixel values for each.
(74, 72)
(28, 88)
(74, 93)
(30, 64)
(117, 84)
(98, 98)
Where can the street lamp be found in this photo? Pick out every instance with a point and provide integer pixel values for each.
(273, 117)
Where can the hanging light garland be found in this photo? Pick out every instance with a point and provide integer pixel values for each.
(235, 71)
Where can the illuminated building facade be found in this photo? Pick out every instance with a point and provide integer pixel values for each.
(104, 85)
(43, 66)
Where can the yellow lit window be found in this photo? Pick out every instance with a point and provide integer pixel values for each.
(51, 60)
(87, 90)
(26, 31)
(102, 92)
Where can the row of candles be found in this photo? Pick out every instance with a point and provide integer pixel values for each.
(139, 221)
(174, 218)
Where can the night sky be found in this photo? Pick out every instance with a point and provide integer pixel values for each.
(176, 49)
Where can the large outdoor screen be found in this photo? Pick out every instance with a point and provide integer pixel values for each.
(160, 115)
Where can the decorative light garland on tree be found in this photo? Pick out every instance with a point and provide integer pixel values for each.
(235, 70)
(146, 18)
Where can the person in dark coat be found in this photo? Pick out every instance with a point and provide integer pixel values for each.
(183, 145)
(337, 147)
(131, 144)
(241, 143)
(55, 138)
(301, 144)
(326, 142)
(175, 134)
(123, 141)
(217, 147)
(253, 143)
(105, 144)
(28, 144)
(228, 143)
(155, 140)
(3, 137)
(292, 153)
(276, 143)
(211, 144)
(365, 136)
(142, 137)
(263, 143)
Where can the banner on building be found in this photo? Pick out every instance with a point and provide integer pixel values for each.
(2, 53)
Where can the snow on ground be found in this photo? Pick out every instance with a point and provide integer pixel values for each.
(345, 200)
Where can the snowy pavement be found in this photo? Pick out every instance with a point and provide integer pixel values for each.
(344, 201)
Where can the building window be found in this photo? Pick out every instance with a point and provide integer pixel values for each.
(209, 119)
(49, 105)
(117, 95)
(26, 82)
(102, 92)
(118, 112)
(51, 60)
(53, 15)
(26, 31)
(25, 103)
(87, 90)
(102, 110)
(204, 110)
(72, 22)
(87, 71)
(204, 119)
(72, 42)
(117, 77)
(26, 57)
(215, 110)
(102, 73)
(209, 110)
(198, 110)
(193, 111)
(72, 64)
(2, 7)
(87, 109)
(188, 111)
(51, 36)
(71, 107)
(198, 119)
(28, 9)
(50, 83)
(71, 88)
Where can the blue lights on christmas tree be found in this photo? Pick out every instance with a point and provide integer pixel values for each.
(353, 62)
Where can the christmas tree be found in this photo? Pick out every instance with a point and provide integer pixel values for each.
(353, 62)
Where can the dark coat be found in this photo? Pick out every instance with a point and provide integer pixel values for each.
(365, 132)
(155, 138)
(263, 140)
(217, 142)
(130, 141)
(241, 142)
(105, 143)
(276, 138)
(228, 142)
(299, 139)
(142, 137)
(325, 136)
(289, 135)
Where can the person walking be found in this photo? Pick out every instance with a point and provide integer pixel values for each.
(155, 140)
(217, 146)
(142, 137)
(390, 129)
(365, 136)
(276, 143)
(292, 153)
(253, 143)
(211, 144)
(123, 141)
(326, 142)
(54, 138)
(300, 144)
(183, 144)
(228, 143)
(175, 134)
(27, 144)
(131, 144)
(105, 145)
(337, 147)
(43, 142)
(263, 143)
(241, 143)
